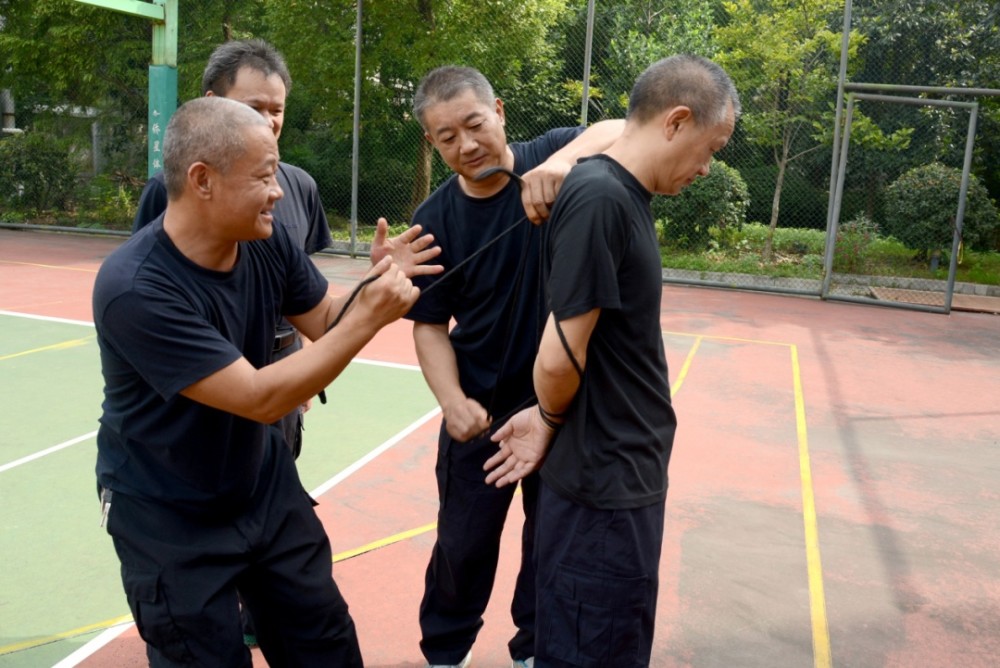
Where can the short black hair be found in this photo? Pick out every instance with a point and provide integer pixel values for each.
(444, 83)
(684, 80)
(230, 57)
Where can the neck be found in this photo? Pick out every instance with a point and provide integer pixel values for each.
(188, 229)
(489, 186)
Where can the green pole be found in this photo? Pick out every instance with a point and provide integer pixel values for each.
(162, 71)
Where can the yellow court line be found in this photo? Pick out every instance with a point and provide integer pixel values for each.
(822, 656)
(820, 629)
(389, 540)
(38, 642)
(729, 338)
(675, 388)
(48, 266)
(72, 343)
(817, 599)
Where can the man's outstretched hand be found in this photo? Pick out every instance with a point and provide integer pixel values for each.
(524, 440)
(409, 250)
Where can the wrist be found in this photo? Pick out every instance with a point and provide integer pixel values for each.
(551, 420)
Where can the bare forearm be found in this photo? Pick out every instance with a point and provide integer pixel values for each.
(555, 374)
(437, 362)
(594, 139)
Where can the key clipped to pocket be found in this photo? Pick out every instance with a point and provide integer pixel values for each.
(105, 505)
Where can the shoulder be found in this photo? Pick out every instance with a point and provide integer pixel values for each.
(432, 209)
(121, 268)
(296, 174)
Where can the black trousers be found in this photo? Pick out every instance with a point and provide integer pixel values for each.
(598, 577)
(181, 574)
(463, 564)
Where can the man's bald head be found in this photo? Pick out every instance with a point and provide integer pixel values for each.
(209, 130)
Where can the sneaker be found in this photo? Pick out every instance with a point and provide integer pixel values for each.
(464, 663)
(523, 663)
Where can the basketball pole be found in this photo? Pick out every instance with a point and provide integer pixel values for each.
(162, 68)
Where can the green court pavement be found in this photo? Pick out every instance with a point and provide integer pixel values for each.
(60, 573)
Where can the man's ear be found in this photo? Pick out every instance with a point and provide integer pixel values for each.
(676, 118)
(199, 177)
(500, 111)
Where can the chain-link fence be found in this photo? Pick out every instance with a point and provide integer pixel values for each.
(759, 220)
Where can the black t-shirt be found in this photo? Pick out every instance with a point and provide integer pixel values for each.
(496, 298)
(300, 210)
(164, 323)
(602, 252)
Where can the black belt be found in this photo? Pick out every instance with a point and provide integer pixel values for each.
(283, 339)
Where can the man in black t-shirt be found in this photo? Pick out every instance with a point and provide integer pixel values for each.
(601, 375)
(199, 493)
(480, 369)
(254, 72)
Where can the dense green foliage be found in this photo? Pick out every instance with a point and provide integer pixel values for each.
(714, 205)
(922, 204)
(77, 72)
(35, 172)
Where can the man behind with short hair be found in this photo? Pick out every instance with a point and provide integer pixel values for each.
(480, 369)
(601, 375)
(199, 492)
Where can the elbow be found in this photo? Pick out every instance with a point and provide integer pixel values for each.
(558, 371)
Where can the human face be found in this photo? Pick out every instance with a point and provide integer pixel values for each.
(245, 195)
(263, 94)
(467, 133)
(693, 148)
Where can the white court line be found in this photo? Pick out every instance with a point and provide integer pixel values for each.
(335, 480)
(110, 634)
(91, 647)
(47, 451)
(48, 318)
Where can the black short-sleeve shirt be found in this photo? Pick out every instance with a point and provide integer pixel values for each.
(495, 299)
(164, 323)
(602, 252)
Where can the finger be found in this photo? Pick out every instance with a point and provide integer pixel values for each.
(409, 235)
(500, 472)
(381, 229)
(420, 243)
(497, 459)
(505, 431)
(426, 269)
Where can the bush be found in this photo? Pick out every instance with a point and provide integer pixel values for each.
(107, 203)
(35, 172)
(718, 201)
(922, 203)
(854, 238)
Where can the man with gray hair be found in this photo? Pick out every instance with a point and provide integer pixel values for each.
(604, 423)
(480, 369)
(199, 492)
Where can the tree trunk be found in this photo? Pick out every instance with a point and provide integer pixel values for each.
(776, 205)
(425, 153)
(422, 175)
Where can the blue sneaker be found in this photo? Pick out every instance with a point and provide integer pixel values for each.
(523, 663)
(464, 663)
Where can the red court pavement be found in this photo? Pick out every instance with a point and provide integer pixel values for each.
(883, 421)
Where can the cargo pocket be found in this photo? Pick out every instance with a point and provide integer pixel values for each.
(594, 620)
(152, 615)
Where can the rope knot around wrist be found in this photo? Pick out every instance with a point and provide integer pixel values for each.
(549, 419)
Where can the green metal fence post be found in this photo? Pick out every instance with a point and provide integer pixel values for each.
(162, 71)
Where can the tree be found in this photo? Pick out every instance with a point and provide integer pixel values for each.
(402, 41)
(784, 61)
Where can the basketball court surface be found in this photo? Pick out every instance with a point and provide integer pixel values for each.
(835, 482)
